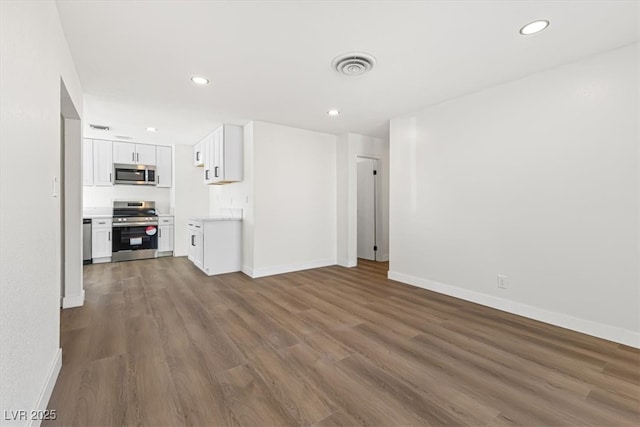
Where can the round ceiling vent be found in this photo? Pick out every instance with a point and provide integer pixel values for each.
(353, 64)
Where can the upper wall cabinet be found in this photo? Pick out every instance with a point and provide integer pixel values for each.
(163, 166)
(198, 157)
(87, 162)
(223, 155)
(102, 162)
(134, 154)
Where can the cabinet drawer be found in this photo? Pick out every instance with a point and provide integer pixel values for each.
(101, 223)
(165, 220)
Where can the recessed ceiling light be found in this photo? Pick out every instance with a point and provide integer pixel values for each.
(333, 113)
(152, 129)
(534, 27)
(199, 80)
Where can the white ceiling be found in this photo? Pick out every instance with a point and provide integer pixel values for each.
(270, 60)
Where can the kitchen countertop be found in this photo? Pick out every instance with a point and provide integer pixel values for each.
(96, 215)
(215, 218)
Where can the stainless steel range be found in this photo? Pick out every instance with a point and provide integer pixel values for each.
(135, 230)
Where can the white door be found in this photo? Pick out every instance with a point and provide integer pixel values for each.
(124, 152)
(146, 154)
(102, 163)
(366, 209)
(87, 162)
(163, 168)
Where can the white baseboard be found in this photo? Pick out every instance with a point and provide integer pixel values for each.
(73, 301)
(383, 258)
(596, 329)
(280, 269)
(47, 389)
(101, 260)
(247, 270)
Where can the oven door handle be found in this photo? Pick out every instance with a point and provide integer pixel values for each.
(134, 224)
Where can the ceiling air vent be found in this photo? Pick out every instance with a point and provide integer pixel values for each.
(353, 64)
(99, 127)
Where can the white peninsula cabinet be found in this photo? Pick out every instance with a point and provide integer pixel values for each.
(215, 244)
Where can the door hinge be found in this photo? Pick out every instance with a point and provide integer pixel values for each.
(375, 172)
(375, 248)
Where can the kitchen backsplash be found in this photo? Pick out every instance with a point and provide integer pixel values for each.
(103, 197)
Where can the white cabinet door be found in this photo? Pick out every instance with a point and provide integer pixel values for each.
(134, 154)
(217, 156)
(87, 162)
(102, 162)
(191, 242)
(163, 168)
(198, 158)
(209, 158)
(101, 246)
(165, 238)
(145, 154)
(198, 255)
(226, 155)
(124, 152)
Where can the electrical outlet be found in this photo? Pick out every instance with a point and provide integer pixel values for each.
(503, 281)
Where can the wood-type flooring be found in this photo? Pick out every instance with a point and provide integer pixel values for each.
(158, 343)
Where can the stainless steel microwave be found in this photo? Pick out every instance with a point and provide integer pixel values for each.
(134, 174)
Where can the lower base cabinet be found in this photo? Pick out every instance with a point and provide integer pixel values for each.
(165, 236)
(215, 244)
(101, 240)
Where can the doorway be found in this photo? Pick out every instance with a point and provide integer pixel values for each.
(68, 190)
(367, 208)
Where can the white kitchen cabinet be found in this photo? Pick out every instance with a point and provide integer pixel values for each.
(165, 236)
(101, 244)
(224, 162)
(129, 153)
(87, 161)
(207, 149)
(102, 162)
(196, 247)
(163, 166)
(198, 158)
(216, 244)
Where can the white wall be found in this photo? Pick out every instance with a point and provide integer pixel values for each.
(349, 147)
(189, 194)
(294, 199)
(535, 179)
(35, 56)
(103, 197)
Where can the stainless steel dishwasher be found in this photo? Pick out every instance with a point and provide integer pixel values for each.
(86, 241)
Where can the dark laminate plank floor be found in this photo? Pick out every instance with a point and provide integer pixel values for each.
(159, 343)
